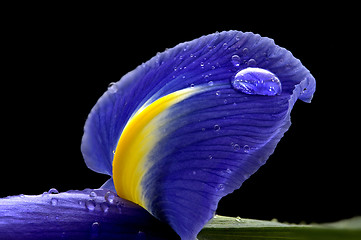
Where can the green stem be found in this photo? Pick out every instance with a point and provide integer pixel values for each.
(224, 228)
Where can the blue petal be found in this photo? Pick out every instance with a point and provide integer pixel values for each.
(182, 135)
(87, 214)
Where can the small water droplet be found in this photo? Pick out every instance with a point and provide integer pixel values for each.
(202, 64)
(236, 147)
(220, 187)
(210, 156)
(229, 171)
(110, 197)
(245, 51)
(236, 60)
(95, 228)
(225, 101)
(246, 148)
(53, 191)
(113, 151)
(210, 83)
(257, 81)
(112, 88)
(104, 206)
(54, 201)
(218, 93)
(90, 205)
(217, 127)
(238, 219)
(251, 62)
(93, 194)
(192, 85)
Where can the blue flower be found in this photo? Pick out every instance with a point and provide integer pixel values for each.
(175, 135)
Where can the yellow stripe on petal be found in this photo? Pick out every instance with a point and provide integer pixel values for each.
(139, 137)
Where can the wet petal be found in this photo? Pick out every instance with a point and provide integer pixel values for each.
(192, 124)
(87, 214)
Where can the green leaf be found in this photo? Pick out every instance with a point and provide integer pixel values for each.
(224, 228)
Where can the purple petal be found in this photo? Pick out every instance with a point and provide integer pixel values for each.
(87, 214)
(231, 98)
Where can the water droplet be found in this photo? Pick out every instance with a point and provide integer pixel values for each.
(53, 191)
(110, 197)
(93, 194)
(112, 88)
(90, 205)
(95, 228)
(202, 64)
(251, 62)
(257, 81)
(104, 206)
(218, 93)
(238, 219)
(229, 171)
(192, 85)
(225, 101)
(245, 51)
(217, 127)
(220, 187)
(236, 147)
(54, 201)
(210, 83)
(210, 156)
(246, 148)
(236, 60)
(113, 151)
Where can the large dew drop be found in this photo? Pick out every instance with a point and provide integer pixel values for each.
(257, 81)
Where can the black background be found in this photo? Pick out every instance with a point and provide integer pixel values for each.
(60, 60)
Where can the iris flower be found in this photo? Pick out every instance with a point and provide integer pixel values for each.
(174, 135)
